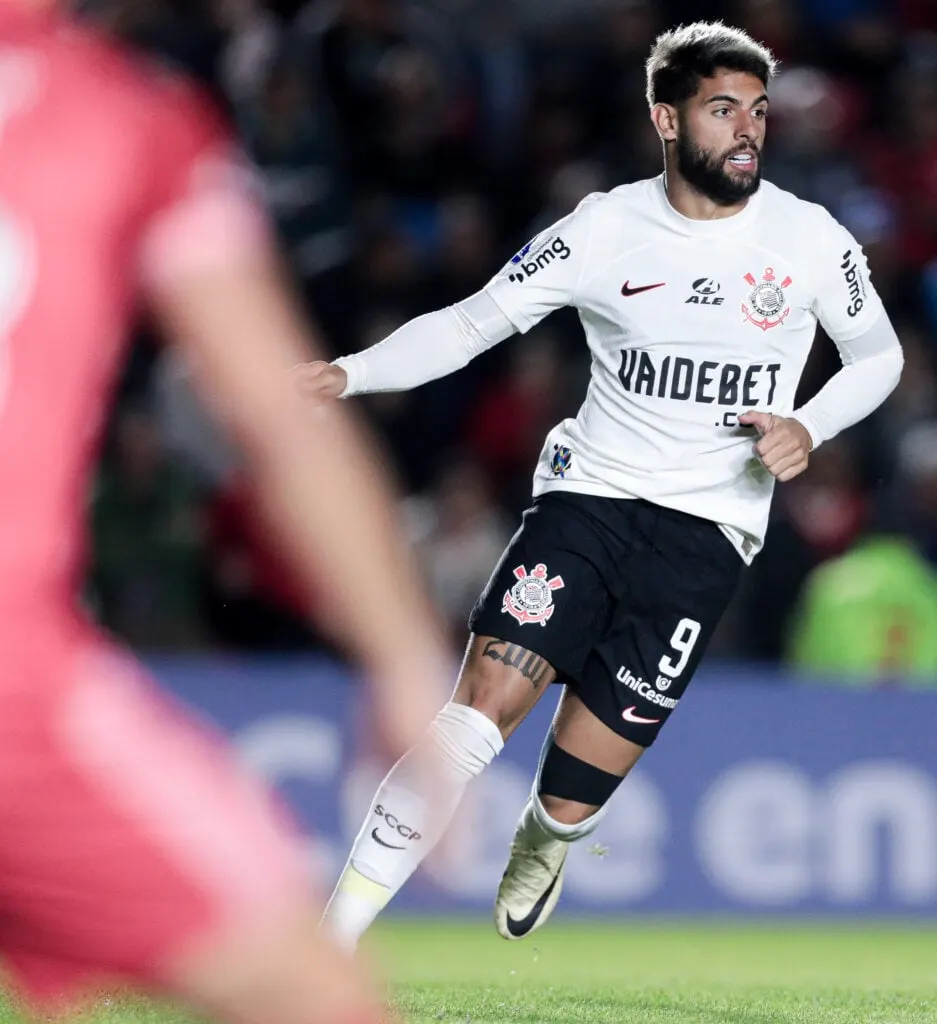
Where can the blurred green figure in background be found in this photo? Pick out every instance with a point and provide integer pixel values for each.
(869, 617)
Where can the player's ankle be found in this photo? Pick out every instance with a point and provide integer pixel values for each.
(566, 812)
(563, 831)
(354, 905)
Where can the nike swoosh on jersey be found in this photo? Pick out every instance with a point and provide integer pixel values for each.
(522, 927)
(377, 839)
(629, 716)
(627, 290)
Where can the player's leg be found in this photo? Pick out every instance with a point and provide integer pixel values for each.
(581, 765)
(498, 685)
(676, 588)
(529, 621)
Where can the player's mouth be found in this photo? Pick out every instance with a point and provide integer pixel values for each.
(744, 161)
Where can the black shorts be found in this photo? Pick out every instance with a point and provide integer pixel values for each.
(620, 596)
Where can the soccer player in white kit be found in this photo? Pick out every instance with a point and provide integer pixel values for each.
(699, 293)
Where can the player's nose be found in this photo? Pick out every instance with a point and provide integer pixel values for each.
(748, 129)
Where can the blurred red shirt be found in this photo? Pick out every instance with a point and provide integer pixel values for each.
(114, 176)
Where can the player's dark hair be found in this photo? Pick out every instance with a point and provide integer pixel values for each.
(682, 57)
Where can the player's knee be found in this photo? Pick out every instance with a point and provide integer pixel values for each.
(482, 687)
(468, 738)
(488, 700)
(502, 682)
(571, 794)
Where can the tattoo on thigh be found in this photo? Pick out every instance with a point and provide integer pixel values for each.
(531, 666)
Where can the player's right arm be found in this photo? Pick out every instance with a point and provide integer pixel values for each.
(543, 276)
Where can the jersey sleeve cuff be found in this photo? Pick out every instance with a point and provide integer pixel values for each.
(521, 323)
(816, 438)
(353, 366)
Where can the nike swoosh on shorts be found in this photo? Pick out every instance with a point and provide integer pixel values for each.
(629, 716)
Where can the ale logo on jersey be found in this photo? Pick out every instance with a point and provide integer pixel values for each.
(767, 305)
(531, 598)
(706, 293)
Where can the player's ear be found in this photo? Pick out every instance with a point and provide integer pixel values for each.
(664, 117)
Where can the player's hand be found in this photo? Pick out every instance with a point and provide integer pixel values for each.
(785, 444)
(320, 379)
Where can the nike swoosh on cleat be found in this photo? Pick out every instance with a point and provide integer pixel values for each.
(377, 839)
(629, 716)
(627, 290)
(522, 927)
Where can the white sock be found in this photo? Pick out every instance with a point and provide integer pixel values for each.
(537, 828)
(406, 819)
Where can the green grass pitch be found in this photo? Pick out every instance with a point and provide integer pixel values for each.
(639, 971)
(652, 972)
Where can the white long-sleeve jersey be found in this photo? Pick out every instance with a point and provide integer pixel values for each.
(690, 323)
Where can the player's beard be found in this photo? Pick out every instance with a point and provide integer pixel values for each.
(706, 172)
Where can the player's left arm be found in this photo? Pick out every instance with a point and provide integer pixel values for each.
(852, 314)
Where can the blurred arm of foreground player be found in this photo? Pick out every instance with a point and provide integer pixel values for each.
(326, 496)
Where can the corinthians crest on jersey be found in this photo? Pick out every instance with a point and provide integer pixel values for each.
(767, 305)
(531, 598)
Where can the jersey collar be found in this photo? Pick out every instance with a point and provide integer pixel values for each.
(706, 228)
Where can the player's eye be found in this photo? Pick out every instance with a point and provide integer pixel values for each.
(760, 113)
(723, 111)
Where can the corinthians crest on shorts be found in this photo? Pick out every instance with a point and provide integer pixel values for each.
(766, 306)
(531, 598)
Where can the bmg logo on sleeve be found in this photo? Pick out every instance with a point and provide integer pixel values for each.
(854, 283)
(527, 262)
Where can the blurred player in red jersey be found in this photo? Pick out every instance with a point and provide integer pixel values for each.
(131, 845)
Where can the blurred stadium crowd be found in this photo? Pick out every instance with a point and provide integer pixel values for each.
(407, 149)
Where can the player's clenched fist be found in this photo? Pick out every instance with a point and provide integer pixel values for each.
(321, 379)
(784, 446)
